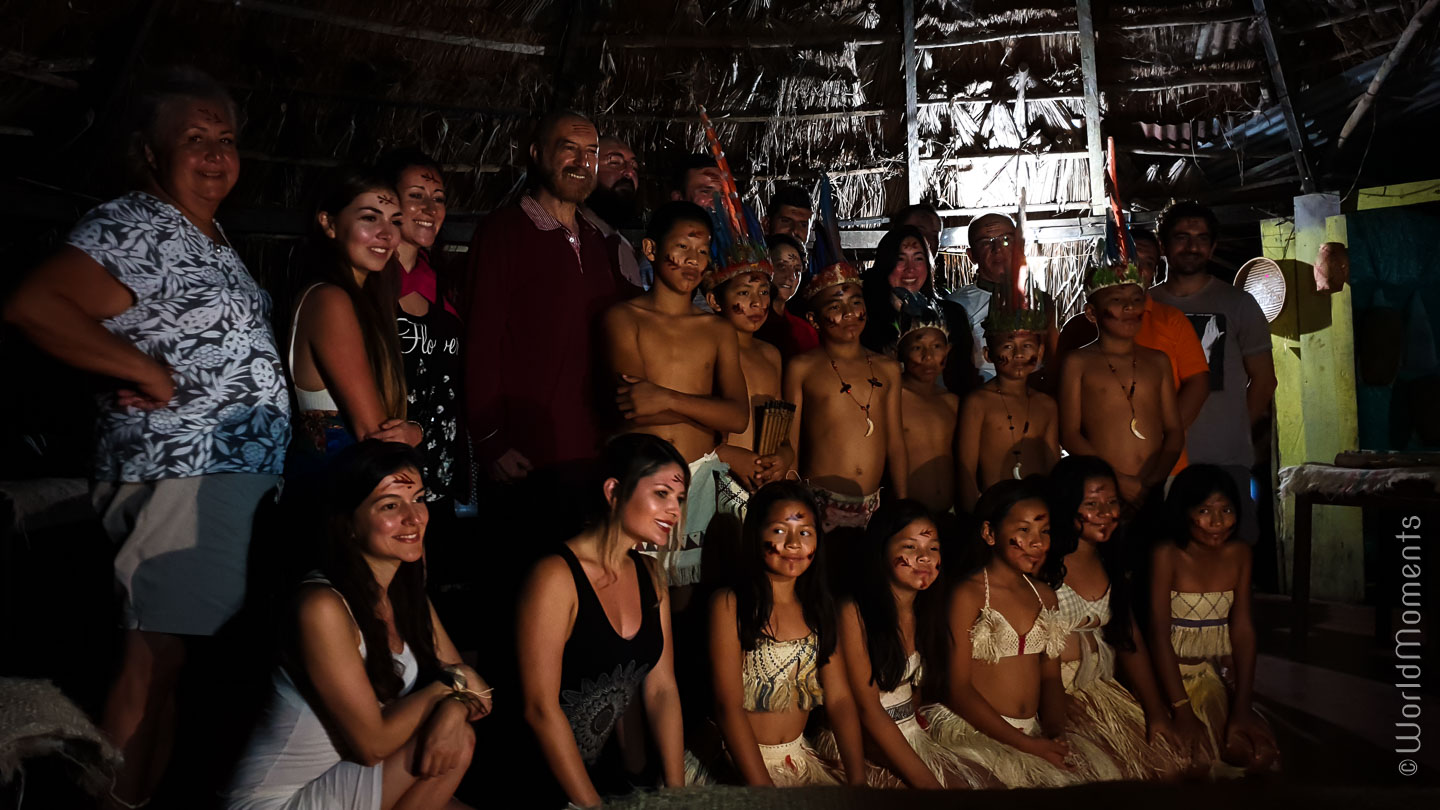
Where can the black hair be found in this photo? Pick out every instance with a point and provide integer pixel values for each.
(881, 324)
(876, 601)
(628, 458)
(672, 213)
(790, 195)
(775, 240)
(994, 505)
(353, 475)
(394, 162)
(915, 208)
(1187, 209)
(974, 226)
(680, 173)
(374, 301)
(1147, 237)
(754, 600)
(1067, 490)
(157, 94)
(1191, 488)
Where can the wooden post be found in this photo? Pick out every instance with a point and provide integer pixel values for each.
(1092, 106)
(1282, 97)
(915, 184)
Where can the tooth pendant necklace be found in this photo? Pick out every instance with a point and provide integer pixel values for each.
(846, 388)
(1014, 442)
(1129, 394)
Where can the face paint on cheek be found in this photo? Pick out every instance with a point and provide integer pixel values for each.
(737, 308)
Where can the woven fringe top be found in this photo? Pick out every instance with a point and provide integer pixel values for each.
(992, 637)
(1200, 623)
(1080, 614)
(905, 690)
(780, 675)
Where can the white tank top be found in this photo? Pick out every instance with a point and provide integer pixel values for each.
(290, 747)
(306, 400)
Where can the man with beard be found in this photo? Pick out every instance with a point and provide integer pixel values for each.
(1236, 340)
(992, 239)
(698, 179)
(540, 275)
(789, 213)
(615, 206)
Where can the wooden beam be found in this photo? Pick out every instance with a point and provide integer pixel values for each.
(373, 27)
(741, 41)
(1090, 73)
(992, 99)
(1282, 96)
(1328, 22)
(1366, 101)
(1010, 155)
(745, 117)
(980, 39)
(1427, 191)
(1219, 79)
(1174, 21)
(914, 181)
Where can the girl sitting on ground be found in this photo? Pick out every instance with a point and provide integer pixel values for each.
(774, 650)
(1201, 632)
(1087, 566)
(1005, 704)
(897, 612)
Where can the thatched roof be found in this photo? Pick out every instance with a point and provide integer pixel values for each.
(796, 88)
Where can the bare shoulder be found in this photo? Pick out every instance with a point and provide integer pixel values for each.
(1044, 403)
(1165, 552)
(619, 314)
(771, 354)
(888, 367)
(551, 579)
(1238, 551)
(326, 302)
(802, 364)
(321, 608)
(1155, 359)
(1047, 593)
(952, 401)
(723, 601)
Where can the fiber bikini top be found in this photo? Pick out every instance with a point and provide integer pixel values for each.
(780, 675)
(992, 637)
(1200, 623)
(1080, 614)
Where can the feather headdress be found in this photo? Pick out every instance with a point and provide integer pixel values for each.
(737, 244)
(918, 312)
(1017, 307)
(1115, 265)
(828, 265)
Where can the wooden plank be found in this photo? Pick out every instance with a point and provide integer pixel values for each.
(1090, 73)
(1426, 191)
(980, 39)
(742, 41)
(745, 117)
(373, 27)
(914, 180)
(1039, 156)
(1282, 94)
(324, 163)
(1216, 80)
(1329, 22)
(1175, 21)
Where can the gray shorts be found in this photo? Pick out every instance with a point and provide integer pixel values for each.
(184, 543)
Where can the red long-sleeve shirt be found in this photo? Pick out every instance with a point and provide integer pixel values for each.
(529, 357)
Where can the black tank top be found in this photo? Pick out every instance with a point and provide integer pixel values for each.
(601, 672)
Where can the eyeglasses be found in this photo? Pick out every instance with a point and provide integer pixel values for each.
(619, 162)
(994, 243)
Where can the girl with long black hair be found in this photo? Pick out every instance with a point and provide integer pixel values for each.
(346, 725)
(1004, 707)
(1089, 569)
(896, 617)
(773, 649)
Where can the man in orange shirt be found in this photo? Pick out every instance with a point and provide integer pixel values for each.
(1163, 327)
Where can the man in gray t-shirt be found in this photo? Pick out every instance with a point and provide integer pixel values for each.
(1236, 339)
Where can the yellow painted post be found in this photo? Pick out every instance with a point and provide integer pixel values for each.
(1277, 242)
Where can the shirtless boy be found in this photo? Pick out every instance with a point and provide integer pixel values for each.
(678, 369)
(743, 299)
(927, 410)
(1117, 398)
(1007, 429)
(847, 432)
